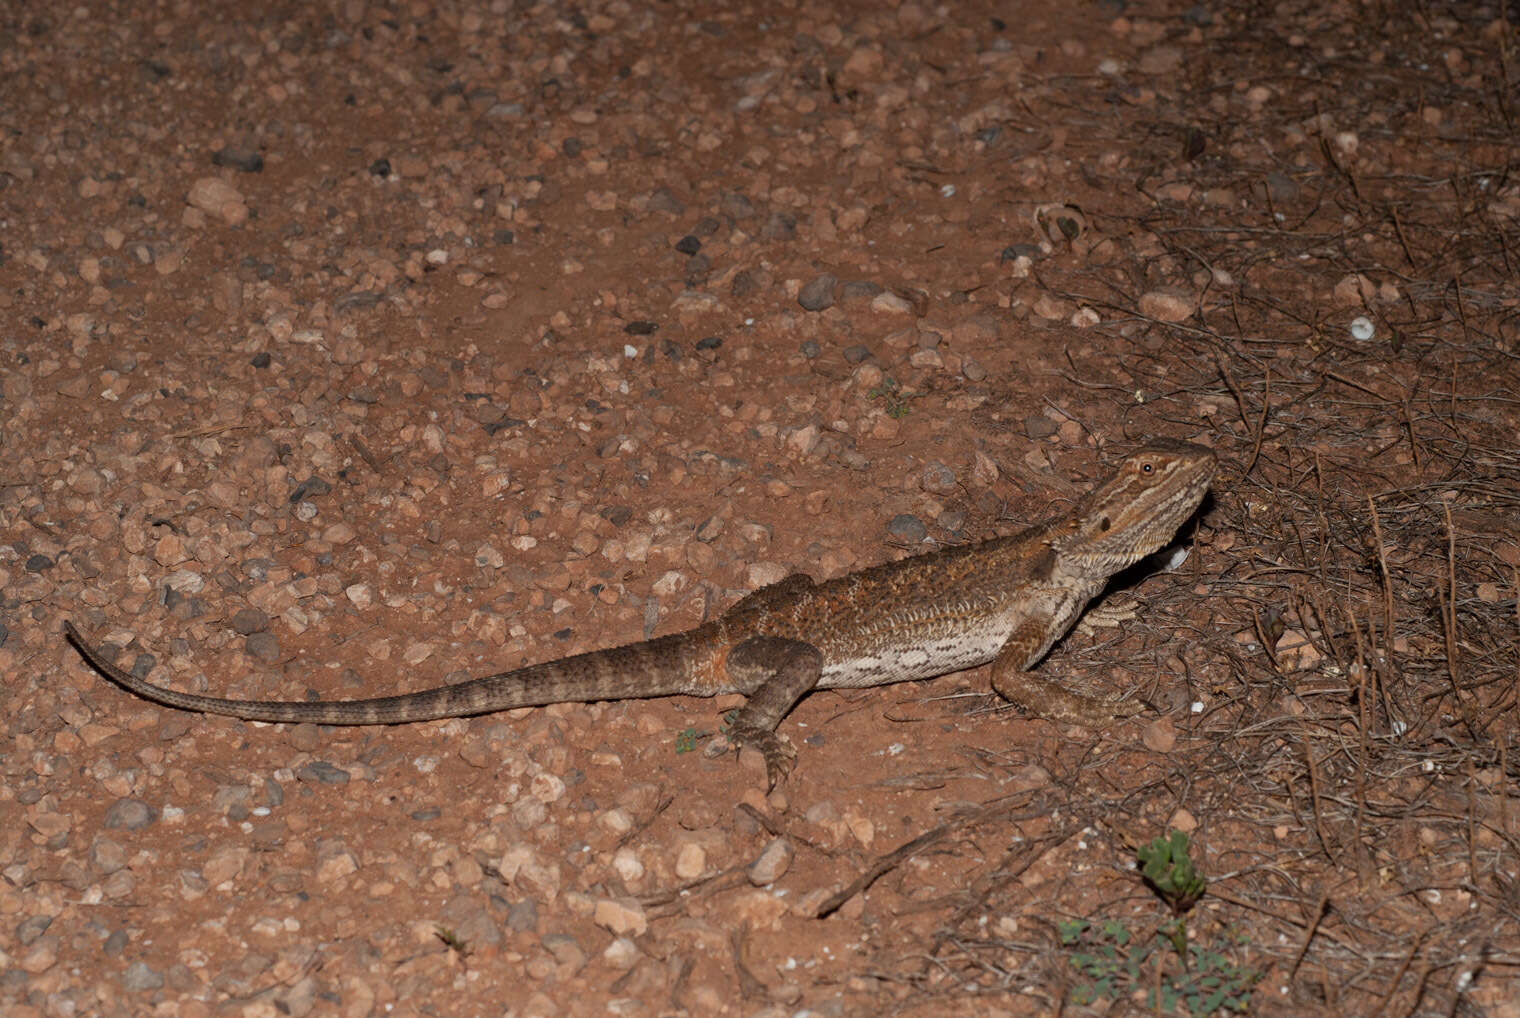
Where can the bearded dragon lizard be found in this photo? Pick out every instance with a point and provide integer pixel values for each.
(1004, 601)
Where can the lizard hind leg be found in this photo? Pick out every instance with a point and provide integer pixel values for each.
(777, 672)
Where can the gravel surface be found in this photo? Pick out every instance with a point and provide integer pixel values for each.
(352, 348)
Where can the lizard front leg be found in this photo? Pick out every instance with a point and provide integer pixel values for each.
(778, 672)
(1044, 697)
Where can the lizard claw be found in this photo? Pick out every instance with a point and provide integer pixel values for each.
(779, 754)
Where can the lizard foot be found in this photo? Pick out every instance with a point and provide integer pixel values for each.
(778, 752)
(1046, 699)
(1091, 711)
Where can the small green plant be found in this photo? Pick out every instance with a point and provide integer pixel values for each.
(687, 739)
(891, 392)
(1169, 870)
(1113, 962)
(1103, 957)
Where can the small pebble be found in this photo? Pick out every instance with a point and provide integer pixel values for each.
(263, 647)
(129, 815)
(937, 478)
(908, 529)
(773, 862)
(139, 977)
(818, 293)
(322, 772)
(248, 160)
(247, 621)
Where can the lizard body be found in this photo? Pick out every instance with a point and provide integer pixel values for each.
(1004, 601)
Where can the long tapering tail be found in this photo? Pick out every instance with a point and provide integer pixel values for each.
(659, 667)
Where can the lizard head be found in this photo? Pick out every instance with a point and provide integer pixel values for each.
(1138, 509)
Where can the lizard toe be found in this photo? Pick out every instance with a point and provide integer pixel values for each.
(779, 754)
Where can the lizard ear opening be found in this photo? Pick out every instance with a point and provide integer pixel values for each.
(1103, 525)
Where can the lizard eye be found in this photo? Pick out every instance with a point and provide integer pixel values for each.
(1147, 468)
